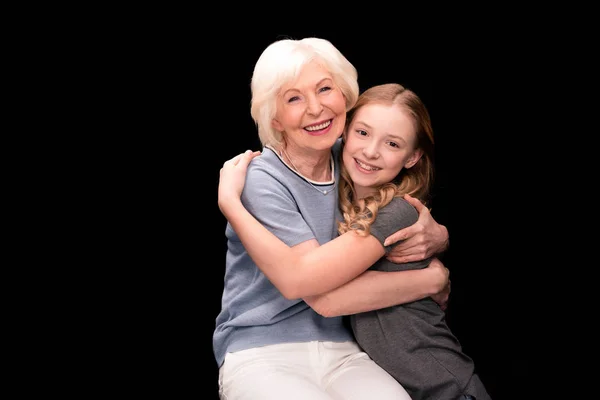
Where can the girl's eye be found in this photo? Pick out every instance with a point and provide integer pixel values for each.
(393, 144)
(361, 132)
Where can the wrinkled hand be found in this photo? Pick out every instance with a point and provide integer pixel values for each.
(233, 177)
(443, 296)
(421, 240)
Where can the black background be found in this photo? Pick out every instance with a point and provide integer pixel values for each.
(188, 103)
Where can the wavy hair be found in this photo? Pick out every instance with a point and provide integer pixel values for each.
(359, 214)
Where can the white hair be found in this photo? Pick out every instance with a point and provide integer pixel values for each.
(280, 63)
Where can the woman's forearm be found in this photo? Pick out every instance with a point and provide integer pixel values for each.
(306, 269)
(374, 290)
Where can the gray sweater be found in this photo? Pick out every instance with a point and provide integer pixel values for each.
(412, 341)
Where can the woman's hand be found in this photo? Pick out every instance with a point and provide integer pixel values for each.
(443, 295)
(421, 240)
(233, 177)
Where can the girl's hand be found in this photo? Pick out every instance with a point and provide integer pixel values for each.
(233, 177)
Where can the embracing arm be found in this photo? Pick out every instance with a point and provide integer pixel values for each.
(424, 239)
(374, 290)
(303, 270)
(306, 269)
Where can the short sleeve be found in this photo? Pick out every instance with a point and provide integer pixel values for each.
(398, 214)
(268, 199)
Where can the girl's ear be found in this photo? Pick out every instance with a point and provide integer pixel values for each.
(412, 160)
(277, 125)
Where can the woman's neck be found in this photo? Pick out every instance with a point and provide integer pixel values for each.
(313, 164)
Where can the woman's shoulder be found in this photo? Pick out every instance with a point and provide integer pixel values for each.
(267, 169)
(266, 161)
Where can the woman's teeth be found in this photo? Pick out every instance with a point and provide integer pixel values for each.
(318, 127)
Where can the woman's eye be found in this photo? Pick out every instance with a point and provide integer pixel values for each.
(325, 89)
(291, 99)
(361, 132)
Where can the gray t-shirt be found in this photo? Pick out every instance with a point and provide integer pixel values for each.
(412, 342)
(253, 311)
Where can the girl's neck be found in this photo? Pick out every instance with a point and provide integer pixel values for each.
(362, 192)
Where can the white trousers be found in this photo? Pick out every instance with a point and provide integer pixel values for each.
(306, 371)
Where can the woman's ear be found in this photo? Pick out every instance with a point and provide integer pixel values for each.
(276, 125)
(412, 160)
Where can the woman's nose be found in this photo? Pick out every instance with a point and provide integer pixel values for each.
(314, 107)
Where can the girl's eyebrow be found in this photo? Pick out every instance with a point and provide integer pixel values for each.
(365, 124)
(396, 137)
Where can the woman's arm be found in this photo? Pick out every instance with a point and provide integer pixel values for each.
(421, 240)
(305, 269)
(374, 290)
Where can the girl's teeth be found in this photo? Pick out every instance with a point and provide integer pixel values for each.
(367, 167)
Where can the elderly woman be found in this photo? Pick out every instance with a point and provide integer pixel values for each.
(268, 342)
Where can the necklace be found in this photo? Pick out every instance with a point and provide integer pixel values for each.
(324, 192)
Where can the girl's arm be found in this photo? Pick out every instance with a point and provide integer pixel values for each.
(373, 290)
